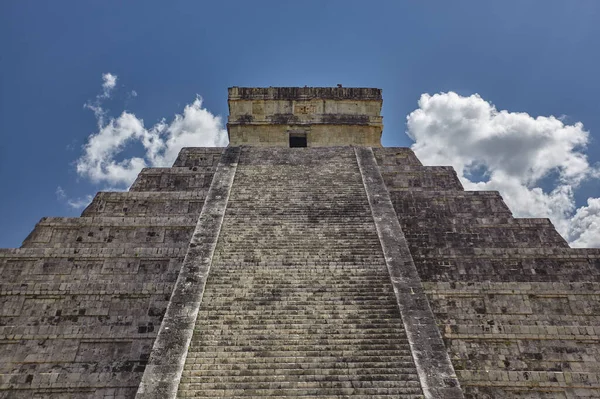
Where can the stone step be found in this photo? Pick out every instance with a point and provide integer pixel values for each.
(302, 290)
(145, 203)
(411, 391)
(268, 273)
(456, 223)
(55, 355)
(412, 178)
(100, 231)
(72, 325)
(389, 159)
(84, 269)
(321, 396)
(443, 204)
(375, 336)
(543, 289)
(43, 390)
(306, 300)
(306, 343)
(302, 275)
(60, 381)
(269, 308)
(349, 313)
(219, 320)
(294, 365)
(103, 365)
(198, 156)
(91, 253)
(275, 355)
(510, 253)
(110, 221)
(305, 346)
(174, 179)
(519, 267)
(302, 329)
(318, 260)
(200, 384)
(494, 237)
(372, 371)
(117, 287)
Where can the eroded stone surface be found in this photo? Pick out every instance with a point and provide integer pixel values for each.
(299, 300)
(325, 116)
(517, 308)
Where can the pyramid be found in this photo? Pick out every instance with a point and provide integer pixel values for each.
(303, 260)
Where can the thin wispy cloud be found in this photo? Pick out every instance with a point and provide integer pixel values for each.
(109, 82)
(75, 203)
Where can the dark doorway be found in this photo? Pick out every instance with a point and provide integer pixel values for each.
(297, 140)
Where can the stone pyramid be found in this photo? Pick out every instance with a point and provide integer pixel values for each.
(332, 269)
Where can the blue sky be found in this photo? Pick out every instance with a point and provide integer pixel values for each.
(535, 57)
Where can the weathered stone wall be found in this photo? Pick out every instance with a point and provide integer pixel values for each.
(299, 300)
(328, 116)
(82, 301)
(316, 135)
(518, 309)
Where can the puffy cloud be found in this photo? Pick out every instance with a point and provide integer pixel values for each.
(536, 163)
(585, 225)
(102, 160)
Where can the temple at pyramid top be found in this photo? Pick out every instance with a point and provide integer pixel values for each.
(305, 116)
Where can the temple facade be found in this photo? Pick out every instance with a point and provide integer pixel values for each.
(303, 260)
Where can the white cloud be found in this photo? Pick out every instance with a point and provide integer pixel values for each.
(109, 81)
(515, 152)
(102, 160)
(81, 202)
(585, 225)
(76, 203)
(60, 193)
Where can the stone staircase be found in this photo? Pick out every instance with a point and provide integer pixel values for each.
(298, 301)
